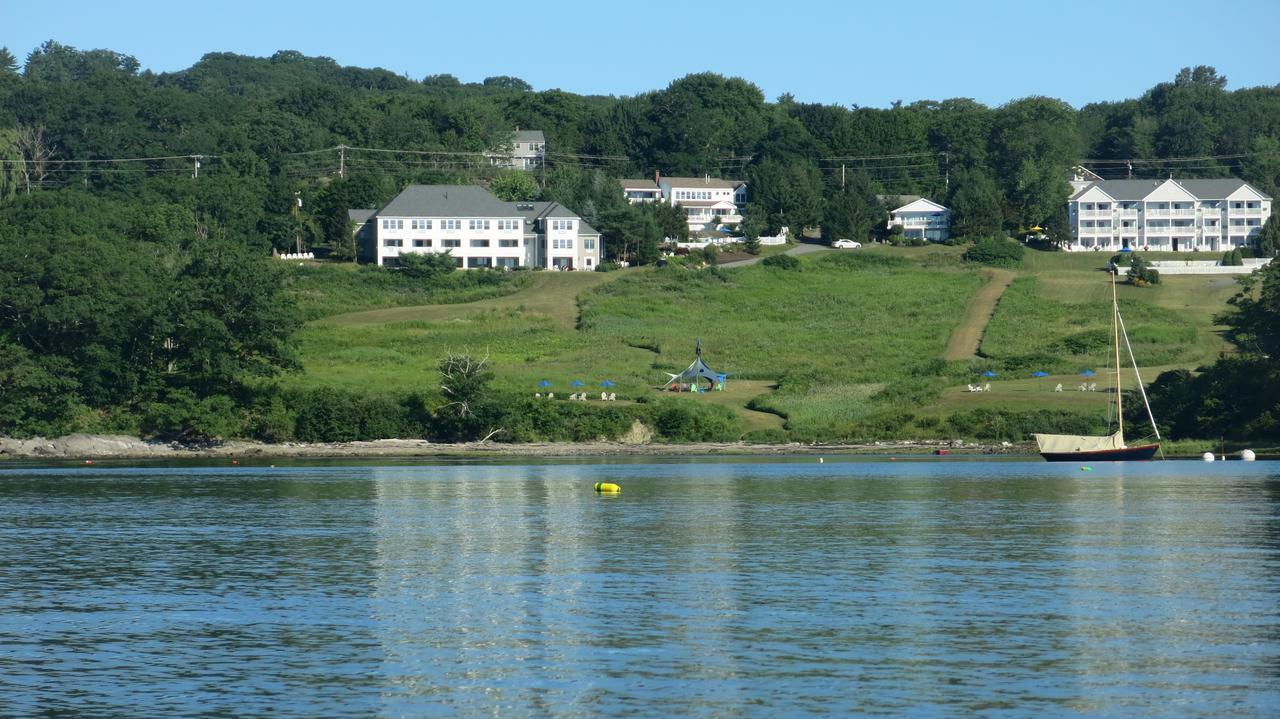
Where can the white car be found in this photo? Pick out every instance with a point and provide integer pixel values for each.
(846, 244)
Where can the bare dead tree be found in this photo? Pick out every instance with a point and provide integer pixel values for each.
(462, 379)
(37, 156)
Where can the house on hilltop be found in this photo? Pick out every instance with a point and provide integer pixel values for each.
(528, 151)
(708, 201)
(1166, 215)
(481, 231)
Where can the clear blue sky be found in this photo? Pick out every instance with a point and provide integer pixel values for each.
(864, 53)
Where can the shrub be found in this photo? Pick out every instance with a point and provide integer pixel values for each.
(996, 251)
(181, 415)
(781, 262)
(683, 420)
(1141, 273)
(608, 267)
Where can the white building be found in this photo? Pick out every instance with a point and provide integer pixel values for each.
(1166, 215)
(708, 201)
(479, 230)
(528, 151)
(922, 219)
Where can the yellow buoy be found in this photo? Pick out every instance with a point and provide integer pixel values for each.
(607, 487)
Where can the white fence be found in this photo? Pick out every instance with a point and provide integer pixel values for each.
(1206, 267)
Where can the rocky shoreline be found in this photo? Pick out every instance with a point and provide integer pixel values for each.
(86, 446)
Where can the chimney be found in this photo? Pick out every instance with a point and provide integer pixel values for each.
(657, 175)
(706, 179)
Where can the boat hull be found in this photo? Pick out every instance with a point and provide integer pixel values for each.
(1128, 454)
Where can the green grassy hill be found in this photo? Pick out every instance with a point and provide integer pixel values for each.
(850, 346)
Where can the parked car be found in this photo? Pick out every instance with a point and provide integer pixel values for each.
(846, 244)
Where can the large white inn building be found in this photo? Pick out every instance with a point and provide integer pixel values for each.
(479, 230)
(1166, 215)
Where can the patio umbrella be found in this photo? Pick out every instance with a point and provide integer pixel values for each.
(1088, 373)
(989, 373)
(576, 383)
(607, 383)
(1039, 373)
(545, 383)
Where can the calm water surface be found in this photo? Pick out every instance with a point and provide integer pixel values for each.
(707, 588)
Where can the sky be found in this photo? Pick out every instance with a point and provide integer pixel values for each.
(868, 54)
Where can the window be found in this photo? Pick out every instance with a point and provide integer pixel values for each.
(479, 243)
(479, 224)
(1104, 206)
(419, 224)
(451, 243)
(506, 262)
(508, 243)
(451, 224)
(393, 243)
(562, 244)
(393, 224)
(422, 243)
(457, 262)
(508, 224)
(479, 262)
(589, 243)
(562, 224)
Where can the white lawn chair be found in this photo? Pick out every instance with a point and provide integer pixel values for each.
(1083, 388)
(986, 387)
(604, 396)
(974, 389)
(538, 395)
(1093, 386)
(1058, 388)
(613, 396)
(551, 395)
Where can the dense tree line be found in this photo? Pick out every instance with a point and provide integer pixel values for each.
(141, 286)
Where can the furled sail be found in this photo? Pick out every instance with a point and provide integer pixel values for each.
(1060, 443)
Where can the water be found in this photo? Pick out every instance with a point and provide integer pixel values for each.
(706, 589)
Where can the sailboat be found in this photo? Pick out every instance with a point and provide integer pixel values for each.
(1109, 447)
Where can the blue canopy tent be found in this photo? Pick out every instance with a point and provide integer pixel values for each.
(577, 383)
(1088, 373)
(607, 383)
(1039, 373)
(989, 373)
(689, 379)
(545, 383)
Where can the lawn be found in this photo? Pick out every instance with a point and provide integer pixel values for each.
(850, 345)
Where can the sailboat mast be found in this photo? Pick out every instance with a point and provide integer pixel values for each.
(1115, 330)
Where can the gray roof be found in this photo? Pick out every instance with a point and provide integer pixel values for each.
(528, 136)
(1134, 190)
(470, 201)
(447, 201)
(715, 182)
(639, 184)
(538, 210)
(361, 216)
(897, 200)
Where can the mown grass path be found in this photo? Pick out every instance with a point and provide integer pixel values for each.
(967, 336)
(553, 294)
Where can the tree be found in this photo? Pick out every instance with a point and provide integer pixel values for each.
(851, 213)
(8, 63)
(1268, 241)
(1035, 144)
(1254, 319)
(427, 265)
(514, 187)
(975, 205)
(36, 154)
(506, 82)
(468, 409)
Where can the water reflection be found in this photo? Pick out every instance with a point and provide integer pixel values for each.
(707, 589)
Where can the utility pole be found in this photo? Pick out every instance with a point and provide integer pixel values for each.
(195, 166)
(297, 229)
(946, 172)
(342, 162)
(842, 175)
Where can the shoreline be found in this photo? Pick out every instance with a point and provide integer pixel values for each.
(87, 446)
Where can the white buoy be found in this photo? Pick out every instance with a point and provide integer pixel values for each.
(820, 460)
(1207, 456)
(1247, 455)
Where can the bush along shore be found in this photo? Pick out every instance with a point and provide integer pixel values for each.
(121, 447)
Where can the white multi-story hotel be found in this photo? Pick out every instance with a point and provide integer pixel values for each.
(1166, 215)
(479, 230)
(922, 219)
(708, 201)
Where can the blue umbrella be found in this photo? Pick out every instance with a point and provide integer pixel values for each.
(1039, 373)
(989, 373)
(576, 383)
(545, 383)
(608, 383)
(1088, 373)
(1126, 249)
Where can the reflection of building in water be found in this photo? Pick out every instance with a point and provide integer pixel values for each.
(507, 582)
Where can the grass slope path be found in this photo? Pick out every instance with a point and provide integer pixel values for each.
(550, 293)
(966, 338)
